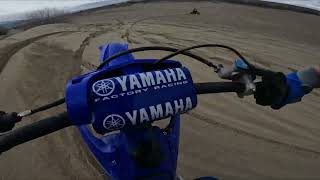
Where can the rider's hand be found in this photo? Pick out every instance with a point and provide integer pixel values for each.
(272, 90)
(7, 121)
(277, 90)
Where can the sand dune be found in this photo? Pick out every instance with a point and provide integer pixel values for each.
(225, 136)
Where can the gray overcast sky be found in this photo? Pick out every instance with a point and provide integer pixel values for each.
(11, 7)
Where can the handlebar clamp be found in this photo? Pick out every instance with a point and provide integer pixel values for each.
(239, 73)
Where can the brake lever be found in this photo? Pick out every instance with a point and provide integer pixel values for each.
(239, 72)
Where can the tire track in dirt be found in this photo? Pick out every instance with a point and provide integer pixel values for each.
(57, 52)
(79, 52)
(7, 52)
(134, 23)
(291, 147)
(163, 16)
(257, 60)
(131, 28)
(86, 42)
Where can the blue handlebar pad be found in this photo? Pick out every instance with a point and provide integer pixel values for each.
(125, 101)
(296, 91)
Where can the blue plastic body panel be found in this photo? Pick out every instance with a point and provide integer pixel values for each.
(114, 151)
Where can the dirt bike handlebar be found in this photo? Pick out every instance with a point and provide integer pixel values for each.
(33, 131)
(219, 87)
(51, 124)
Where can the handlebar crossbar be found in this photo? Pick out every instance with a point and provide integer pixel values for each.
(51, 124)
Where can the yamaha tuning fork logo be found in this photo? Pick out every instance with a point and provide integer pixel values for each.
(134, 84)
(103, 87)
(114, 122)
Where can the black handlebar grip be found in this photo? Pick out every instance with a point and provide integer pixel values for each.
(219, 87)
(33, 131)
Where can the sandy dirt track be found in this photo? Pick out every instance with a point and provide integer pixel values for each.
(224, 136)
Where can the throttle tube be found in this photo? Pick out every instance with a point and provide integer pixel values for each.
(219, 87)
(34, 131)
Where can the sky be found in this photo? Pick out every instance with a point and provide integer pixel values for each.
(13, 9)
(313, 4)
(10, 8)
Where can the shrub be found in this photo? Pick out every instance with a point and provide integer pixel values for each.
(46, 16)
(3, 30)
